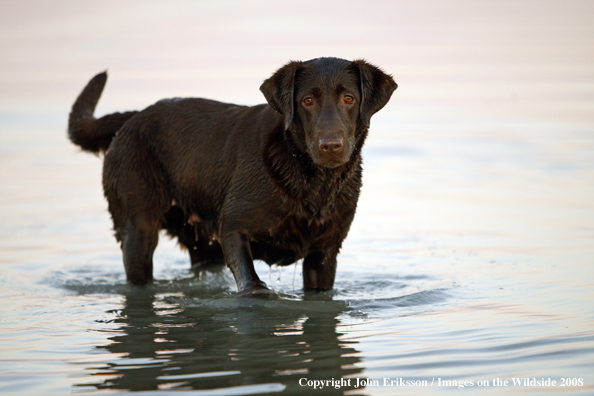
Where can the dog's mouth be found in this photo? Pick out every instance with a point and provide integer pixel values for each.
(331, 163)
(330, 160)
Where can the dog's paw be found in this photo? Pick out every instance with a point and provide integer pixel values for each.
(255, 290)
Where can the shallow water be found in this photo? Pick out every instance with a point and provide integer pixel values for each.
(470, 261)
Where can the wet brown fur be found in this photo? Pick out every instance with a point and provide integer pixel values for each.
(236, 183)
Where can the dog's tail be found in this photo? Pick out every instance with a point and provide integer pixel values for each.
(88, 132)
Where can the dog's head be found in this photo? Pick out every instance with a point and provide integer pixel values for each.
(327, 104)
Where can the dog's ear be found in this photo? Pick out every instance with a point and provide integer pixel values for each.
(279, 90)
(376, 89)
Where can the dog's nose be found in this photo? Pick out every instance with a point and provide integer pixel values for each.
(331, 145)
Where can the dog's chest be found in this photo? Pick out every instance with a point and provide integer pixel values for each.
(291, 240)
(306, 222)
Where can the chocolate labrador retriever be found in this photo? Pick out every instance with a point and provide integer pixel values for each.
(277, 182)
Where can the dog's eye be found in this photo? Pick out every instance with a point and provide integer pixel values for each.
(348, 99)
(308, 101)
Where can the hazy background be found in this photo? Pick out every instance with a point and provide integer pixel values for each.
(501, 58)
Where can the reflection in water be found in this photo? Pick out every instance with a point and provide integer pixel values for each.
(172, 341)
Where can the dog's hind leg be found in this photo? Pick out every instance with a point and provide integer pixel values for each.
(136, 190)
(138, 245)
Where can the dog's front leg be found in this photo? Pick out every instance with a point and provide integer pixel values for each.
(238, 256)
(319, 270)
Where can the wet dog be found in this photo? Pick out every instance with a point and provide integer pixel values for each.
(277, 182)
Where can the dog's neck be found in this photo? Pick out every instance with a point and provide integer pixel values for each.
(300, 179)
